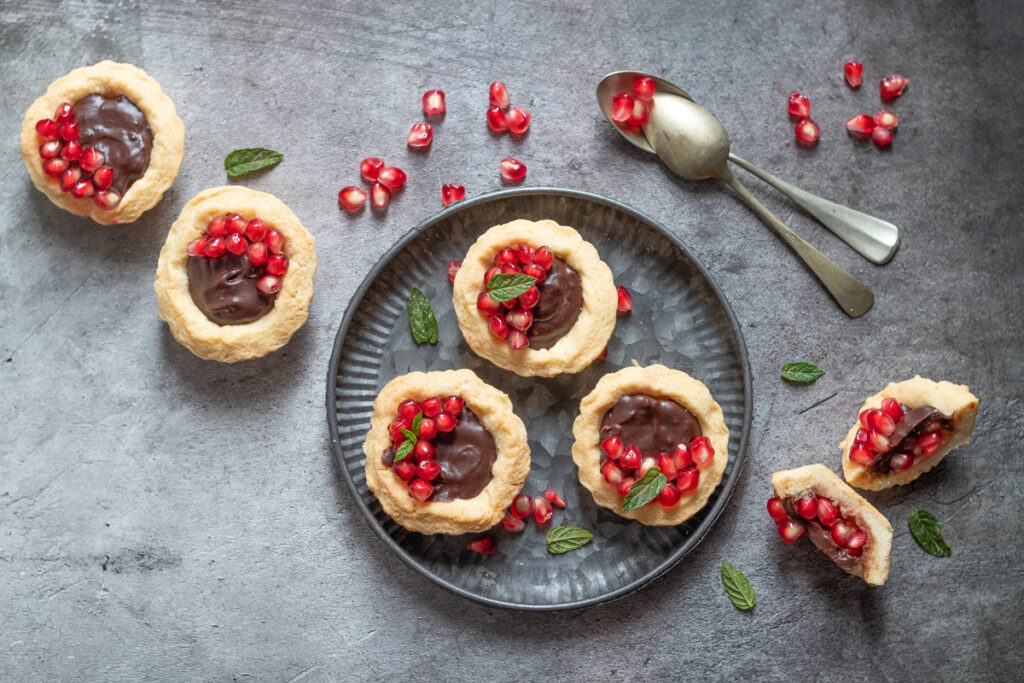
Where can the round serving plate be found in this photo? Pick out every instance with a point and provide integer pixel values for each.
(680, 319)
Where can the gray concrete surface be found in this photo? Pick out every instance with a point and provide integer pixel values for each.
(162, 517)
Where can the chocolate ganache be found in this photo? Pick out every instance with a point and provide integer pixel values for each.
(224, 289)
(912, 425)
(116, 127)
(651, 424)
(466, 455)
(561, 300)
(821, 537)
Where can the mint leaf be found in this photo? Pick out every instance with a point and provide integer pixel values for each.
(243, 161)
(645, 489)
(928, 533)
(507, 286)
(801, 373)
(567, 537)
(411, 437)
(421, 318)
(738, 588)
(404, 450)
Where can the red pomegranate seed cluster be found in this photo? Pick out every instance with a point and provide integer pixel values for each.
(625, 464)
(523, 505)
(844, 531)
(502, 117)
(806, 130)
(872, 439)
(880, 126)
(633, 110)
(510, 320)
(383, 181)
(261, 244)
(419, 468)
(79, 170)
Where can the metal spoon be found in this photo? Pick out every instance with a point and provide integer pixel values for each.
(694, 144)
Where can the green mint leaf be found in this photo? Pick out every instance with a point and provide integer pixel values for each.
(928, 533)
(738, 588)
(507, 286)
(645, 489)
(801, 373)
(417, 422)
(404, 450)
(243, 161)
(421, 318)
(411, 437)
(567, 537)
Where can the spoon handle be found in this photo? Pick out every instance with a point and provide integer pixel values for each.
(850, 293)
(873, 238)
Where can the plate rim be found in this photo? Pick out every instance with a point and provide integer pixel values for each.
(669, 562)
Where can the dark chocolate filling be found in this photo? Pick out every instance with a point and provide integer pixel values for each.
(116, 127)
(466, 455)
(913, 424)
(561, 300)
(224, 289)
(653, 425)
(821, 537)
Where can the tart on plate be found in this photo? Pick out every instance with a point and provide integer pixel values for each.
(104, 141)
(445, 454)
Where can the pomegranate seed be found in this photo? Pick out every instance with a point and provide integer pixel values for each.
(667, 467)
(517, 340)
(50, 150)
(892, 87)
(512, 524)
(644, 88)
(542, 511)
(234, 223)
(395, 430)
(498, 327)
(391, 177)
(64, 112)
(512, 170)
(892, 408)
(196, 246)
(640, 114)
(681, 456)
(485, 303)
(669, 496)
(452, 193)
(625, 300)
(518, 120)
(421, 490)
(525, 253)
(534, 271)
(453, 405)
(861, 124)
(218, 227)
(807, 132)
(499, 95)
(408, 410)
(510, 268)
(405, 470)
(496, 120)
(47, 129)
(519, 319)
(927, 444)
(645, 464)
(91, 159)
(611, 472)
(701, 450)
(861, 436)
(544, 258)
(807, 507)
(853, 71)
(626, 485)
(622, 107)
(107, 199)
(862, 456)
(215, 248)
(257, 253)
(238, 245)
(268, 284)
(880, 422)
(420, 135)
(102, 177)
(553, 498)
(427, 470)
(799, 105)
(841, 533)
(855, 552)
(72, 151)
(631, 458)
(506, 256)
(432, 407)
(69, 177)
(886, 119)
(901, 462)
(379, 197)
(828, 513)
(446, 422)
(484, 545)
(881, 136)
(529, 298)
(82, 189)
(428, 430)
(68, 130)
(370, 167)
(433, 102)
(55, 167)
(612, 447)
(351, 198)
(277, 264)
(776, 509)
(689, 478)
(790, 531)
(521, 506)
(857, 540)
(877, 442)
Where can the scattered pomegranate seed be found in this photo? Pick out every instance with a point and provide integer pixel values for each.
(881, 136)
(518, 120)
(512, 524)
(669, 496)
(631, 457)
(47, 129)
(351, 198)
(892, 408)
(644, 88)
(625, 300)
(640, 114)
(496, 120)
(82, 189)
(107, 199)
(453, 269)
(892, 87)
(553, 498)
(404, 469)
(776, 509)
(257, 253)
(379, 197)
(512, 170)
(542, 511)
(688, 480)
(667, 467)
(807, 132)
(612, 447)
(420, 135)
(799, 105)
(72, 151)
(701, 450)
(91, 159)
(452, 193)
(861, 124)
(499, 95)
(237, 245)
(269, 284)
(790, 531)
(433, 102)
(521, 506)
(828, 513)
(807, 507)
(611, 472)
(391, 177)
(625, 485)
(622, 107)
(853, 71)
(428, 430)
(50, 150)
(681, 456)
(886, 119)
(370, 167)
(484, 545)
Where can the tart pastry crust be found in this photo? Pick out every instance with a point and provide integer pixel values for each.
(587, 338)
(111, 79)
(461, 515)
(874, 566)
(232, 343)
(951, 399)
(656, 381)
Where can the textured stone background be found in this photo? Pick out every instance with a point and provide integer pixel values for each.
(165, 517)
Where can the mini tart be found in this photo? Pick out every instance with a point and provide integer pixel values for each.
(110, 79)
(821, 482)
(493, 410)
(587, 337)
(232, 343)
(954, 401)
(659, 382)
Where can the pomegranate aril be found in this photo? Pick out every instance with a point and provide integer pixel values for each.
(257, 253)
(669, 496)
(892, 408)
(855, 552)
(631, 458)
(886, 119)
(404, 469)
(72, 151)
(51, 149)
(432, 407)
(196, 246)
(529, 298)
(234, 223)
(408, 410)
(102, 177)
(452, 193)
(485, 303)
(68, 130)
(646, 463)
(525, 253)
(861, 124)
(428, 470)
(553, 498)
(901, 462)
(807, 132)
(612, 447)
(512, 169)
(828, 513)
(880, 422)
(681, 456)
(689, 478)
(510, 268)
(491, 272)
(47, 129)
(545, 258)
(611, 472)
(644, 88)
(91, 159)
(351, 198)
(841, 533)
(484, 545)
(391, 177)
(799, 105)
(498, 327)
(107, 199)
(453, 405)
(791, 530)
(64, 112)
(395, 430)
(277, 264)
(453, 269)
(433, 102)
(268, 284)
(881, 136)
(877, 442)
(518, 340)
(542, 511)
(55, 167)
(215, 248)
(622, 107)
(521, 506)
(640, 114)
(446, 422)
(505, 256)
(857, 540)
(862, 456)
(420, 135)
(807, 507)
(69, 177)
(702, 451)
(625, 485)
(776, 509)
(518, 120)
(667, 467)
(379, 197)
(861, 436)
(892, 87)
(625, 300)
(238, 245)
(928, 444)
(82, 189)
(512, 524)
(496, 120)
(853, 72)
(218, 227)
(534, 271)
(421, 490)
(370, 167)
(499, 95)
(428, 430)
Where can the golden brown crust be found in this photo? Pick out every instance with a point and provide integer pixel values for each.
(581, 344)
(656, 381)
(232, 343)
(820, 480)
(494, 410)
(951, 399)
(110, 79)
